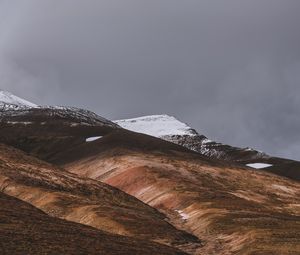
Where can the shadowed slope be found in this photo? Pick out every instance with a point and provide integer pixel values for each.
(234, 209)
(46, 131)
(64, 195)
(289, 169)
(26, 230)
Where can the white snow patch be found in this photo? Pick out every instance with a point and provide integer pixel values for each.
(259, 165)
(20, 122)
(91, 139)
(183, 215)
(156, 125)
(206, 140)
(8, 98)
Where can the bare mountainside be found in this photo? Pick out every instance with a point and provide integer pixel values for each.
(172, 130)
(64, 195)
(159, 194)
(234, 210)
(26, 230)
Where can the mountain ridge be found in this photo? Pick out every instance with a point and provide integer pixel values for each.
(171, 193)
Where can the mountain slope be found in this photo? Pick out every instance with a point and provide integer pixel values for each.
(10, 101)
(44, 131)
(26, 230)
(67, 196)
(175, 191)
(172, 130)
(233, 209)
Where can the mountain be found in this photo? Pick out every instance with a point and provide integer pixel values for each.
(232, 209)
(172, 130)
(45, 130)
(25, 229)
(10, 101)
(67, 196)
(139, 186)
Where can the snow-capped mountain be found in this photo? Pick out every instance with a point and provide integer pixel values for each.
(157, 125)
(66, 126)
(57, 127)
(170, 129)
(136, 193)
(10, 101)
(20, 110)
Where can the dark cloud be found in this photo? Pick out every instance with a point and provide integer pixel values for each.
(231, 68)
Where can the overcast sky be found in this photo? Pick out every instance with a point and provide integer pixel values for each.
(230, 69)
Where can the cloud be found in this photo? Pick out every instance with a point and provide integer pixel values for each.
(229, 68)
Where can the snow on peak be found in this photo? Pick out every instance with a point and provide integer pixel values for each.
(8, 98)
(157, 125)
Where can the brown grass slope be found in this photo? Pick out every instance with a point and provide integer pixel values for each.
(26, 230)
(64, 195)
(234, 210)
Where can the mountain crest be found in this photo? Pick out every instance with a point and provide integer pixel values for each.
(8, 99)
(157, 125)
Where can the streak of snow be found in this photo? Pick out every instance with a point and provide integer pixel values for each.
(91, 139)
(206, 141)
(183, 215)
(259, 165)
(20, 122)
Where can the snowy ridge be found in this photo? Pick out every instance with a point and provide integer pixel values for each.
(19, 110)
(74, 116)
(10, 101)
(15, 110)
(157, 125)
(170, 129)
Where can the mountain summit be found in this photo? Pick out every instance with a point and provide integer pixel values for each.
(157, 125)
(6, 98)
(172, 130)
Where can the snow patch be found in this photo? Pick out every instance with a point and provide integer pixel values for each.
(91, 139)
(206, 140)
(183, 215)
(156, 125)
(259, 165)
(20, 122)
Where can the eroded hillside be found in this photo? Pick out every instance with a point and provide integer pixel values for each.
(233, 209)
(67, 196)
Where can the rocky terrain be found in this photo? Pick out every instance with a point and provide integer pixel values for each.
(150, 185)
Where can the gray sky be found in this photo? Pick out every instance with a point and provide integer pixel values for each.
(230, 69)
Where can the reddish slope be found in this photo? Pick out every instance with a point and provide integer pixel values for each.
(93, 203)
(235, 210)
(26, 230)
